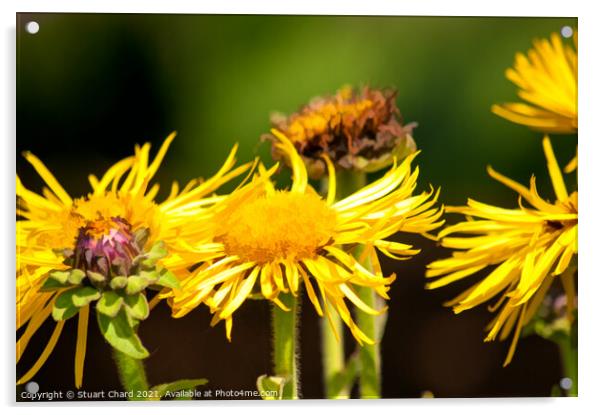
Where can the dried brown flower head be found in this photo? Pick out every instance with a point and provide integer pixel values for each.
(358, 129)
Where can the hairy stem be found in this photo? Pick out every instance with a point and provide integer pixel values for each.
(131, 374)
(285, 338)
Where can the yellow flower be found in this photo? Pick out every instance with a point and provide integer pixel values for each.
(98, 235)
(527, 246)
(269, 241)
(547, 79)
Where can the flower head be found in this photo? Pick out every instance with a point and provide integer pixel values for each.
(104, 249)
(547, 81)
(356, 130)
(270, 241)
(523, 250)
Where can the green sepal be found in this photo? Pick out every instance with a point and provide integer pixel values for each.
(135, 284)
(109, 304)
(60, 276)
(137, 306)
(141, 236)
(150, 276)
(156, 252)
(82, 296)
(118, 282)
(272, 384)
(76, 276)
(177, 386)
(168, 279)
(63, 307)
(121, 335)
(52, 285)
(96, 277)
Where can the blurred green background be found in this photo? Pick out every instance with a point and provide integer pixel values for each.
(89, 86)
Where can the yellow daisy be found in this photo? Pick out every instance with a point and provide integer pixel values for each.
(526, 248)
(107, 246)
(269, 241)
(547, 81)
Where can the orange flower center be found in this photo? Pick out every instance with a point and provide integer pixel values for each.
(284, 225)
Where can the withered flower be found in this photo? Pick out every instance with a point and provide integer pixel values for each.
(359, 130)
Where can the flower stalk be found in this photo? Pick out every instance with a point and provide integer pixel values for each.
(369, 376)
(333, 350)
(333, 354)
(285, 338)
(131, 374)
(568, 353)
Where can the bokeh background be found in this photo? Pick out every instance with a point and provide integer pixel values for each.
(90, 86)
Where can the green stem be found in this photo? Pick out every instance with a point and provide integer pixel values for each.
(333, 358)
(369, 353)
(333, 349)
(568, 353)
(284, 324)
(131, 374)
(333, 354)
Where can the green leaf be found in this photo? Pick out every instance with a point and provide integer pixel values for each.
(118, 332)
(82, 296)
(60, 276)
(118, 282)
(271, 387)
(135, 284)
(168, 279)
(341, 383)
(178, 385)
(109, 304)
(52, 285)
(76, 276)
(63, 307)
(137, 306)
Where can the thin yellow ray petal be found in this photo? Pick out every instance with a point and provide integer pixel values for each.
(554, 169)
(33, 325)
(45, 354)
(297, 164)
(243, 292)
(114, 173)
(80, 347)
(517, 331)
(352, 296)
(332, 181)
(50, 180)
(152, 169)
(310, 291)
